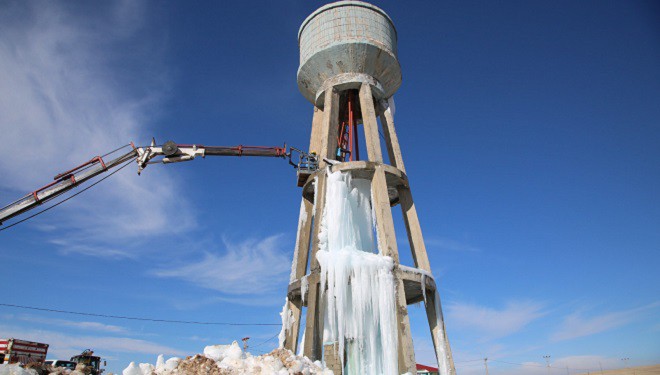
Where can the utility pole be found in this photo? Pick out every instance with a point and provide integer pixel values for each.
(547, 362)
(486, 364)
(625, 361)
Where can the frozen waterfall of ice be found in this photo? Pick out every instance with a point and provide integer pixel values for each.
(287, 321)
(360, 301)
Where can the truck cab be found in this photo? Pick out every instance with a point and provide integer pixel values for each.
(88, 358)
(61, 363)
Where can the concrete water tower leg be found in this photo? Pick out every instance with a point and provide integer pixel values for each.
(388, 247)
(385, 228)
(332, 359)
(391, 139)
(329, 126)
(370, 124)
(314, 321)
(298, 270)
(438, 332)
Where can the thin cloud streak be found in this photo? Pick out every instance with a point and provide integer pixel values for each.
(64, 345)
(451, 245)
(86, 326)
(493, 323)
(253, 266)
(578, 325)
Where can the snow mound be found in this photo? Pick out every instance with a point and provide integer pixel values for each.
(220, 352)
(15, 370)
(228, 360)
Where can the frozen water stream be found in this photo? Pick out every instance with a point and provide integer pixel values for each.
(360, 306)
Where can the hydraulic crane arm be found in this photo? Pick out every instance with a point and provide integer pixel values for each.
(174, 153)
(169, 152)
(62, 183)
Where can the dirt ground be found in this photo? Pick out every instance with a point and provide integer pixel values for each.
(642, 370)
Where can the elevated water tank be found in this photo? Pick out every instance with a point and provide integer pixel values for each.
(345, 44)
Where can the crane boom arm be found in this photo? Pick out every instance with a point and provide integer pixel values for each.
(169, 152)
(62, 183)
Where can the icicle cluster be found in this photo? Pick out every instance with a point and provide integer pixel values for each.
(287, 322)
(360, 306)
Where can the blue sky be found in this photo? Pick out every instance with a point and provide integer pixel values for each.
(530, 132)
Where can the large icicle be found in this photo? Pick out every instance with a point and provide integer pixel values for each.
(287, 322)
(360, 302)
(301, 223)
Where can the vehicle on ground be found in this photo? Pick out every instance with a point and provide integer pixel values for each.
(61, 363)
(88, 358)
(22, 351)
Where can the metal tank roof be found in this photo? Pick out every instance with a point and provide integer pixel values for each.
(344, 44)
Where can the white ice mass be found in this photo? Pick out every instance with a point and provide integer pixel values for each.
(229, 359)
(360, 307)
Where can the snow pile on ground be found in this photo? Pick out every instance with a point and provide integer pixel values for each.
(15, 370)
(38, 368)
(229, 360)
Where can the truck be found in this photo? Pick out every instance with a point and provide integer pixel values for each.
(22, 352)
(88, 358)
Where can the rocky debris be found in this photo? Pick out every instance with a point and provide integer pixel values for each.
(230, 360)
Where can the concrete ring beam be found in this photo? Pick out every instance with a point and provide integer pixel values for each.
(412, 285)
(364, 170)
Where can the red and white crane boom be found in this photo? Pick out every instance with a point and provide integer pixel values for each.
(169, 152)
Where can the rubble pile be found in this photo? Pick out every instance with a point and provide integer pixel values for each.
(41, 369)
(230, 360)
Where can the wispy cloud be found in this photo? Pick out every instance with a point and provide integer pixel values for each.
(68, 246)
(65, 345)
(578, 324)
(253, 266)
(492, 322)
(84, 326)
(449, 244)
(64, 99)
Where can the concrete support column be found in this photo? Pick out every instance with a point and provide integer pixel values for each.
(391, 139)
(332, 359)
(438, 332)
(388, 247)
(317, 125)
(314, 317)
(329, 127)
(413, 229)
(370, 124)
(291, 338)
(300, 258)
(314, 320)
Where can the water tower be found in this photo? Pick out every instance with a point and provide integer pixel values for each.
(349, 71)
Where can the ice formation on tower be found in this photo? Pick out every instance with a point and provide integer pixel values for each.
(359, 302)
